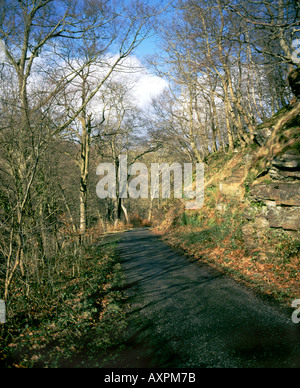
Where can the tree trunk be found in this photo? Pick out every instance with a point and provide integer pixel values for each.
(228, 123)
(84, 170)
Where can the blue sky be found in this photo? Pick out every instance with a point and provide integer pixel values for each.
(149, 84)
(147, 47)
(150, 46)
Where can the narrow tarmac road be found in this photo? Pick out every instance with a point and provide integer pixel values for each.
(188, 315)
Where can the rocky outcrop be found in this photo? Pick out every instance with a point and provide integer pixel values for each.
(282, 201)
(282, 194)
(285, 218)
(271, 171)
(262, 135)
(279, 141)
(286, 166)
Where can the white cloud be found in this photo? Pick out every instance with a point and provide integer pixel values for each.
(141, 84)
(148, 87)
(144, 85)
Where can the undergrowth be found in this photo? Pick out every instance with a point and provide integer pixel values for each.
(214, 234)
(72, 322)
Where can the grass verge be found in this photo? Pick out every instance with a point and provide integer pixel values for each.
(267, 260)
(72, 322)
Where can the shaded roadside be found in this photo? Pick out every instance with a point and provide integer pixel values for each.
(185, 314)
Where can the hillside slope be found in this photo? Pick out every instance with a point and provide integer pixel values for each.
(250, 223)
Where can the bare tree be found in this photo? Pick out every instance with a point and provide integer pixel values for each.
(40, 36)
(236, 61)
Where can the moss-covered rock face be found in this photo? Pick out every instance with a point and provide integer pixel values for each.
(266, 173)
(278, 158)
(286, 166)
(282, 201)
(283, 194)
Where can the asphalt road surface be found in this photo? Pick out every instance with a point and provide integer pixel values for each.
(188, 315)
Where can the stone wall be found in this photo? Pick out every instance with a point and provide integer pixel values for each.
(282, 201)
(277, 187)
(280, 191)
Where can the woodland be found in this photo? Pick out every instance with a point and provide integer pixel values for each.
(67, 104)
